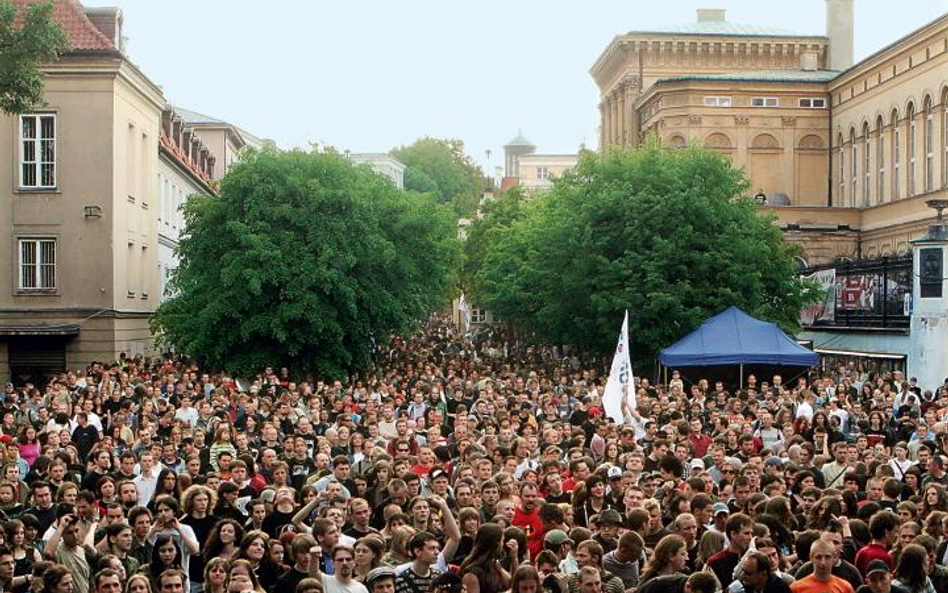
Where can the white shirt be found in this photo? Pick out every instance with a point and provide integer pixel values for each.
(331, 585)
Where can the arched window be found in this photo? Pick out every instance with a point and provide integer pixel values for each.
(911, 149)
(896, 156)
(853, 164)
(842, 172)
(880, 159)
(929, 145)
(867, 167)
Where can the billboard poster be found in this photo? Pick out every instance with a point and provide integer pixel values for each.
(856, 293)
(825, 309)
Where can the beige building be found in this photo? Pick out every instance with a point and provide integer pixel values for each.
(80, 259)
(537, 171)
(845, 155)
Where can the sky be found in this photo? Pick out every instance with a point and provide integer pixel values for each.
(370, 75)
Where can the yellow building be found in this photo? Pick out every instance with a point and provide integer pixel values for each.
(845, 154)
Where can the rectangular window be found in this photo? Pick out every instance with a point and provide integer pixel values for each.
(842, 174)
(717, 101)
(143, 177)
(765, 102)
(37, 264)
(38, 151)
(143, 268)
(812, 103)
(867, 166)
(543, 173)
(130, 177)
(130, 269)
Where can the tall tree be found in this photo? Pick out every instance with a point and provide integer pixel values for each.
(305, 259)
(27, 39)
(442, 167)
(497, 216)
(668, 235)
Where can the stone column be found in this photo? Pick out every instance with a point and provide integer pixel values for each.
(620, 101)
(928, 337)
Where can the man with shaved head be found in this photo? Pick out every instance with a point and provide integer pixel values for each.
(823, 557)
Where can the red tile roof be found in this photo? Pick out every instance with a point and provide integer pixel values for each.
(82, 34)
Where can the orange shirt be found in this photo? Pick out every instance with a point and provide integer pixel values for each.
(811, 584)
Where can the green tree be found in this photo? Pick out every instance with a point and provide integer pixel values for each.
(442, 167)
(305, 260)
(498, 215)
(668, 235)
(27, 40)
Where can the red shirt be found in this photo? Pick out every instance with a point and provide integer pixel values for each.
(701, 443)
(532, 525)
(870, 552)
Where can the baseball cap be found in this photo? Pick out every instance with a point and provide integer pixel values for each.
(379, 573)
(774, 460)
(555, 537)
(697, 463)
(610, 517)
(719, 507)
(614, 472)
(876, 566)
(437, 473)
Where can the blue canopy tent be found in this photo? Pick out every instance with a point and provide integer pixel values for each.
(735, 338)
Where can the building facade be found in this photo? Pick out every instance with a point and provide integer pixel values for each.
(846, 155)
(186, 167)
(383, 164)
(79, 172)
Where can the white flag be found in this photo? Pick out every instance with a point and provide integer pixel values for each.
(620, 388)
(465, 309)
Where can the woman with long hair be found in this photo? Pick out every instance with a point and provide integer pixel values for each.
(166, 485)
(272, 566)
(24, 555)
(482, 570)
(222, 442)
(378, 476)
(398, 546)
(911, 570)
(590, 500)
(215, 575)
(29, 445)
(710, 544)
(222, 541)
(368, 555)
(253, 548)
(164, 555)
(934, 498)
(670, 557)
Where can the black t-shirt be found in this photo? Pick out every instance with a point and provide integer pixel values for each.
(275, 520)
(202, 530)
(300, 469)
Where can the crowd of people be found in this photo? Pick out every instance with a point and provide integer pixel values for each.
(470, 463)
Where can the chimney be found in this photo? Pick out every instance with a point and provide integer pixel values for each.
(810, 60)
(710, 15)
(108, 20)
(839, 30)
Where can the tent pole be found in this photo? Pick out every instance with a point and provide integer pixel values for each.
(742, 375)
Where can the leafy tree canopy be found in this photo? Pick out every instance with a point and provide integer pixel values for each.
(442, 167)
(497, 216)
(305, 259)
(668, 235)
(27, 39)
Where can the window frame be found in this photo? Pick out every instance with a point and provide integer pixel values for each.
(717, 101)
(37, 241)
(765, 102)
(812, 104)
(37, 152)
